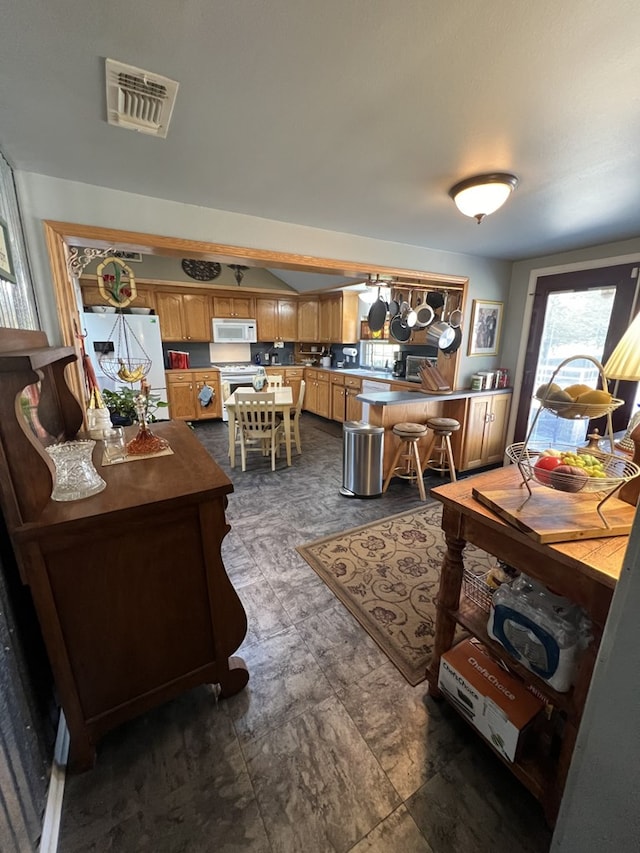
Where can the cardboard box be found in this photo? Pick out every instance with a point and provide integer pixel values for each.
(496, 703)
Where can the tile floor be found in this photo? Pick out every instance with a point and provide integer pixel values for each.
(328, 748)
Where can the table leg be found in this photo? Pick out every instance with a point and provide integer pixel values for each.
(232, 437)
(287, 435)
(447, 600)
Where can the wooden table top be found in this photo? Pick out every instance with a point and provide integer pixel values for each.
(600, 559)
(284, 395)
(188, 473)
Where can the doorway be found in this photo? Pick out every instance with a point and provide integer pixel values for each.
(578, 313)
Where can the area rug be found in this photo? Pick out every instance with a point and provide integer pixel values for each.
(387, 573)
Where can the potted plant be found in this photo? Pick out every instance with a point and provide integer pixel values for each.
(122, 406)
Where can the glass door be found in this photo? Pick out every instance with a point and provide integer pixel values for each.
(582, 313)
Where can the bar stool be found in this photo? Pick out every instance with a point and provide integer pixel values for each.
(407, 455)
(438, 455)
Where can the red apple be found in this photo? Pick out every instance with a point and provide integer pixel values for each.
(560, 480)
(544, 465)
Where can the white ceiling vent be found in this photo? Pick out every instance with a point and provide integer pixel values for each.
(138, 99)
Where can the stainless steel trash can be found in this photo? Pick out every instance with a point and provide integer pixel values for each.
(362, 460)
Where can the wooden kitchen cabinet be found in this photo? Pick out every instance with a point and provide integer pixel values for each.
(293, 377)
(338, 398)
(234, 306)
(133, 599)
(183, 388)
(485, 429)
(338, 318)
(308, 320)
(277, 319)
(184, 316)
(317, 395)
(353, 407)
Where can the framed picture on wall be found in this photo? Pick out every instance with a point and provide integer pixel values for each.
(6, 261)
(486, 322)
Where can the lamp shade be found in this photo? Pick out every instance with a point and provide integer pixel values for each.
(483, 194)
(624, 361)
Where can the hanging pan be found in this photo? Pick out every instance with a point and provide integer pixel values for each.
(377, 314)
(435, 300)
(408, 314)
(394, 305)
(399, 330)
(424, 313)
(455, 343)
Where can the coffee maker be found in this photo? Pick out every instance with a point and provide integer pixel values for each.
(399, 365)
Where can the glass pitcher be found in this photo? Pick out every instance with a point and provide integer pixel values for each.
(76, 476)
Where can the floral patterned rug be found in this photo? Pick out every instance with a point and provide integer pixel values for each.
(386, 573)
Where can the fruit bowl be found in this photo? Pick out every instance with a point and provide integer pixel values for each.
(571, 410)
(616, 470)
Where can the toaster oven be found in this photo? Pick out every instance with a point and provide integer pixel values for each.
(413, 362)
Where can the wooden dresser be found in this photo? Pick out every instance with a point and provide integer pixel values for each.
(131, 593)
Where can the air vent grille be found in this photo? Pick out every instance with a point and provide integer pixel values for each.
(139, 100)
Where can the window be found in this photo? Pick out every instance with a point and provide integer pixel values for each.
(378, 355)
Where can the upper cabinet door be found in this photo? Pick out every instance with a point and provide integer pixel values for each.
(267, 319)
(169, 308)
(234, 306)
(287, 320)
(197, 317)
(308, 320)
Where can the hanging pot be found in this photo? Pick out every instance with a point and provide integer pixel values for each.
(377, 314)
(440, 334)
(408, 314)
(435, 300)
(455, 343)
(399, 330)
(424, 313)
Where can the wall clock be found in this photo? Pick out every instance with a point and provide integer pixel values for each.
(201, 270)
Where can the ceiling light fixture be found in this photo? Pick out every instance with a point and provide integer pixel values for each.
(483, 194)
(238, 271)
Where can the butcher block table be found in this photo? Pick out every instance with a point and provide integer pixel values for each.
(584, 570)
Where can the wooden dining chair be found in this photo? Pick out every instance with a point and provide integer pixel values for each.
(260, 428)
(275, 380)
(295, 419)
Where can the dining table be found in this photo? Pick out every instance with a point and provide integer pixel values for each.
(283, 403)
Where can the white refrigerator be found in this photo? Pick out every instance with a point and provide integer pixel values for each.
(103, 335)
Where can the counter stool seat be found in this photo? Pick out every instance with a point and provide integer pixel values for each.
(438, 455)
(406, 460)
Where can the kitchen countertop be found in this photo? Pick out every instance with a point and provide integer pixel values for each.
(396, 398)
(408, 393)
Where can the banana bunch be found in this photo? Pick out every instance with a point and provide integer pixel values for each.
(130, 375)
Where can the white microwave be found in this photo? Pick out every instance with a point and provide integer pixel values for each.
(228, 331)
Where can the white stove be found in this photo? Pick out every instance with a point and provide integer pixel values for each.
(234, 376)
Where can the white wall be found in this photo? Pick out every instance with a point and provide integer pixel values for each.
(42, 197)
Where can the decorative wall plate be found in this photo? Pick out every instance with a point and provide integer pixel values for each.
(201, 270)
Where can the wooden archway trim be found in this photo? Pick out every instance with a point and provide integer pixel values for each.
(59, 235)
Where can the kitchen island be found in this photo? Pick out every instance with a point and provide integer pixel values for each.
(483, 418)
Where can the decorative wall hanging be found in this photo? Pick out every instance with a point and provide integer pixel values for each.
(486, 322)
(116, 282)
(201, 270)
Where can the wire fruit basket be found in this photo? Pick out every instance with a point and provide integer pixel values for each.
(574, 410)
(592, 472)
(616, 470)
